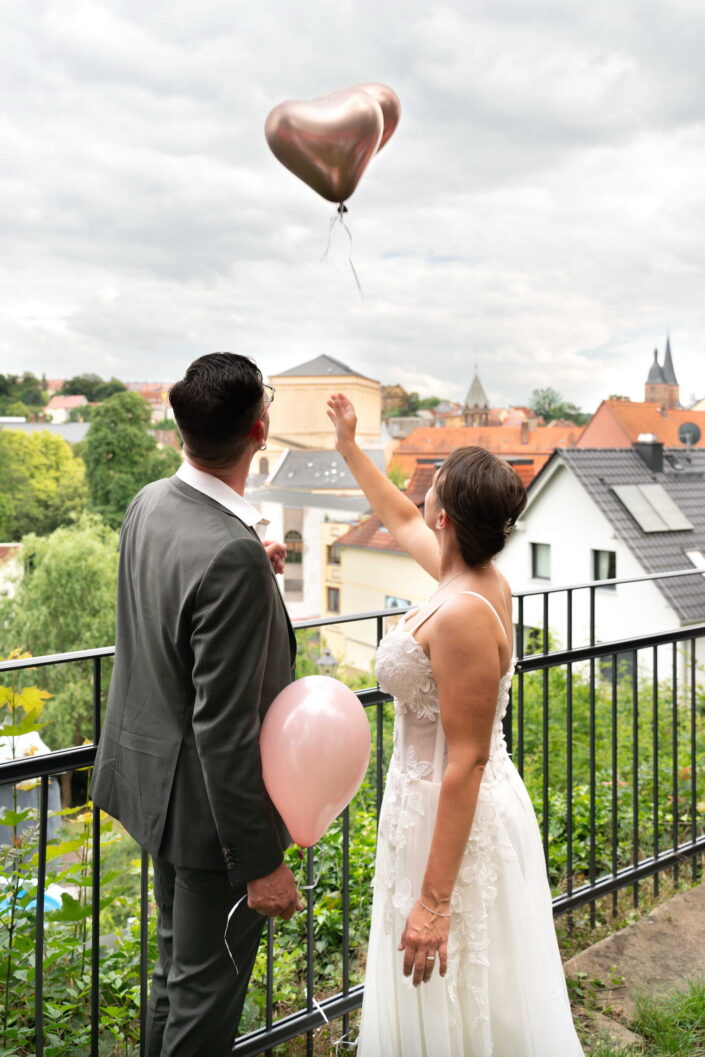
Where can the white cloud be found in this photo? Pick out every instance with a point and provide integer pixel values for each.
(539, 210)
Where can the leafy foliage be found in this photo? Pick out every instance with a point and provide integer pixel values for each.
(42, 483)
(92, 387)
(65, 601)
(548, 404)
(26, 390)
(121, 455)
(413, 403)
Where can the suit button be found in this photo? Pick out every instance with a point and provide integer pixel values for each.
(232, 865)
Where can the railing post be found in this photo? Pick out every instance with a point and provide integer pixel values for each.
(39, 934)
(95, 882)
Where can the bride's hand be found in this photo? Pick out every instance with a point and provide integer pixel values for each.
(342, 415)
(424, 942)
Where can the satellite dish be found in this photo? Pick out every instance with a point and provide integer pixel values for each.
(689, 434)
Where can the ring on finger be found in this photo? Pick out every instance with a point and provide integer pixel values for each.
(430, 957)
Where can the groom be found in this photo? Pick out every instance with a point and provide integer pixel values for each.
(203, 646)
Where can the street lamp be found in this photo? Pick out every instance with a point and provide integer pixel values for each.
(327, 664)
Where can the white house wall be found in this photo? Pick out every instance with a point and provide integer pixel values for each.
(564, 516)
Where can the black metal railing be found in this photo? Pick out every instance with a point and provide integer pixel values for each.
(609, 737)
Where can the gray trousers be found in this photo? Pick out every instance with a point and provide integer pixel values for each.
(197, 995)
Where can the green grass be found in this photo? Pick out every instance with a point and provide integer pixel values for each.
(673, 1026)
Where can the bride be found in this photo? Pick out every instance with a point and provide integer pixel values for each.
(462, 959)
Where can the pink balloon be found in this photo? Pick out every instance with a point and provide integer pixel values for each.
(315, 747)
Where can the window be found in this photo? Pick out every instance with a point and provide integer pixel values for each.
(294, 547)
(541, 561)
(533, 639)
(333, 601)
(393, 602)
(604, 567)
(333, 554)
(696, 559)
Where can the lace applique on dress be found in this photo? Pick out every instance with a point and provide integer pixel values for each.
(404, 671)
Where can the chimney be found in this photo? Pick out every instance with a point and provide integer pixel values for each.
(524, 434)
(650, 449)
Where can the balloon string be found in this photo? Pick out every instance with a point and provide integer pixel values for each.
(339, 219)
(343, 1040)
(227, 926)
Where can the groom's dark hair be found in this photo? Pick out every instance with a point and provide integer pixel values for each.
(216, 404)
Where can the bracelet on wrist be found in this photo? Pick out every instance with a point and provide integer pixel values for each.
(436, 913)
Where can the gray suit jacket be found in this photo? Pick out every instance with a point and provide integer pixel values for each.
(203, 646)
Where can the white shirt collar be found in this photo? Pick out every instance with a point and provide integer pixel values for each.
(221, 492)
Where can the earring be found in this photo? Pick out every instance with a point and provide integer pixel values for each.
(262, 447)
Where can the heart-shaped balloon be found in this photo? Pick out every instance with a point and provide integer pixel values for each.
(329, 142)
(387, 99)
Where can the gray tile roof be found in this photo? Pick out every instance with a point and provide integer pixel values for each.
(70, 431)
(598, 469)
(321, 365)
(351, 505)
(307, 470)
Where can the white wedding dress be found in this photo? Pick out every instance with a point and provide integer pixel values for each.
(504, 994)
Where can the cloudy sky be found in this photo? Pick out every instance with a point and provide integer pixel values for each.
(540, 210)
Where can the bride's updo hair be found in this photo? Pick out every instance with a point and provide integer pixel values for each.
(483, 496)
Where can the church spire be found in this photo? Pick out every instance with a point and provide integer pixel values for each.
(668, 372)
(477, 397)
(477, 406)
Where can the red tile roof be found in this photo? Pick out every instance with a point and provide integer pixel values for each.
(529, 453)
(618, 424)
(370, 534)
(66, 402)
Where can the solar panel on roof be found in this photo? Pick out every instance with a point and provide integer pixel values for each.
(665, 506)
(651, 507)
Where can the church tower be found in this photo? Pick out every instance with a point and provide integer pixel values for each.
(476, 409)
(661, 383)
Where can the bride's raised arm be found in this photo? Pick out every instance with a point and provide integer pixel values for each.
(396, 511)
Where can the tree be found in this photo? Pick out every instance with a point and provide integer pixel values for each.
(413, 403)
(92, 387)
(16, 409)
(65, 601)
(398, 476)
(121, 455)
(549, 405)
(42, 483)
(27, 390)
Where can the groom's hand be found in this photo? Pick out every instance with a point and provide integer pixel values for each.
(274, 895)
(276, 552)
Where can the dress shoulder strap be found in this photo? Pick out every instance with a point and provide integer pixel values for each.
(438, 605)
(476, 594)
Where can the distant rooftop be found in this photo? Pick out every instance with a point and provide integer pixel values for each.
(70, 431)
(66, 402)
(320, 366)
(318, 470)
